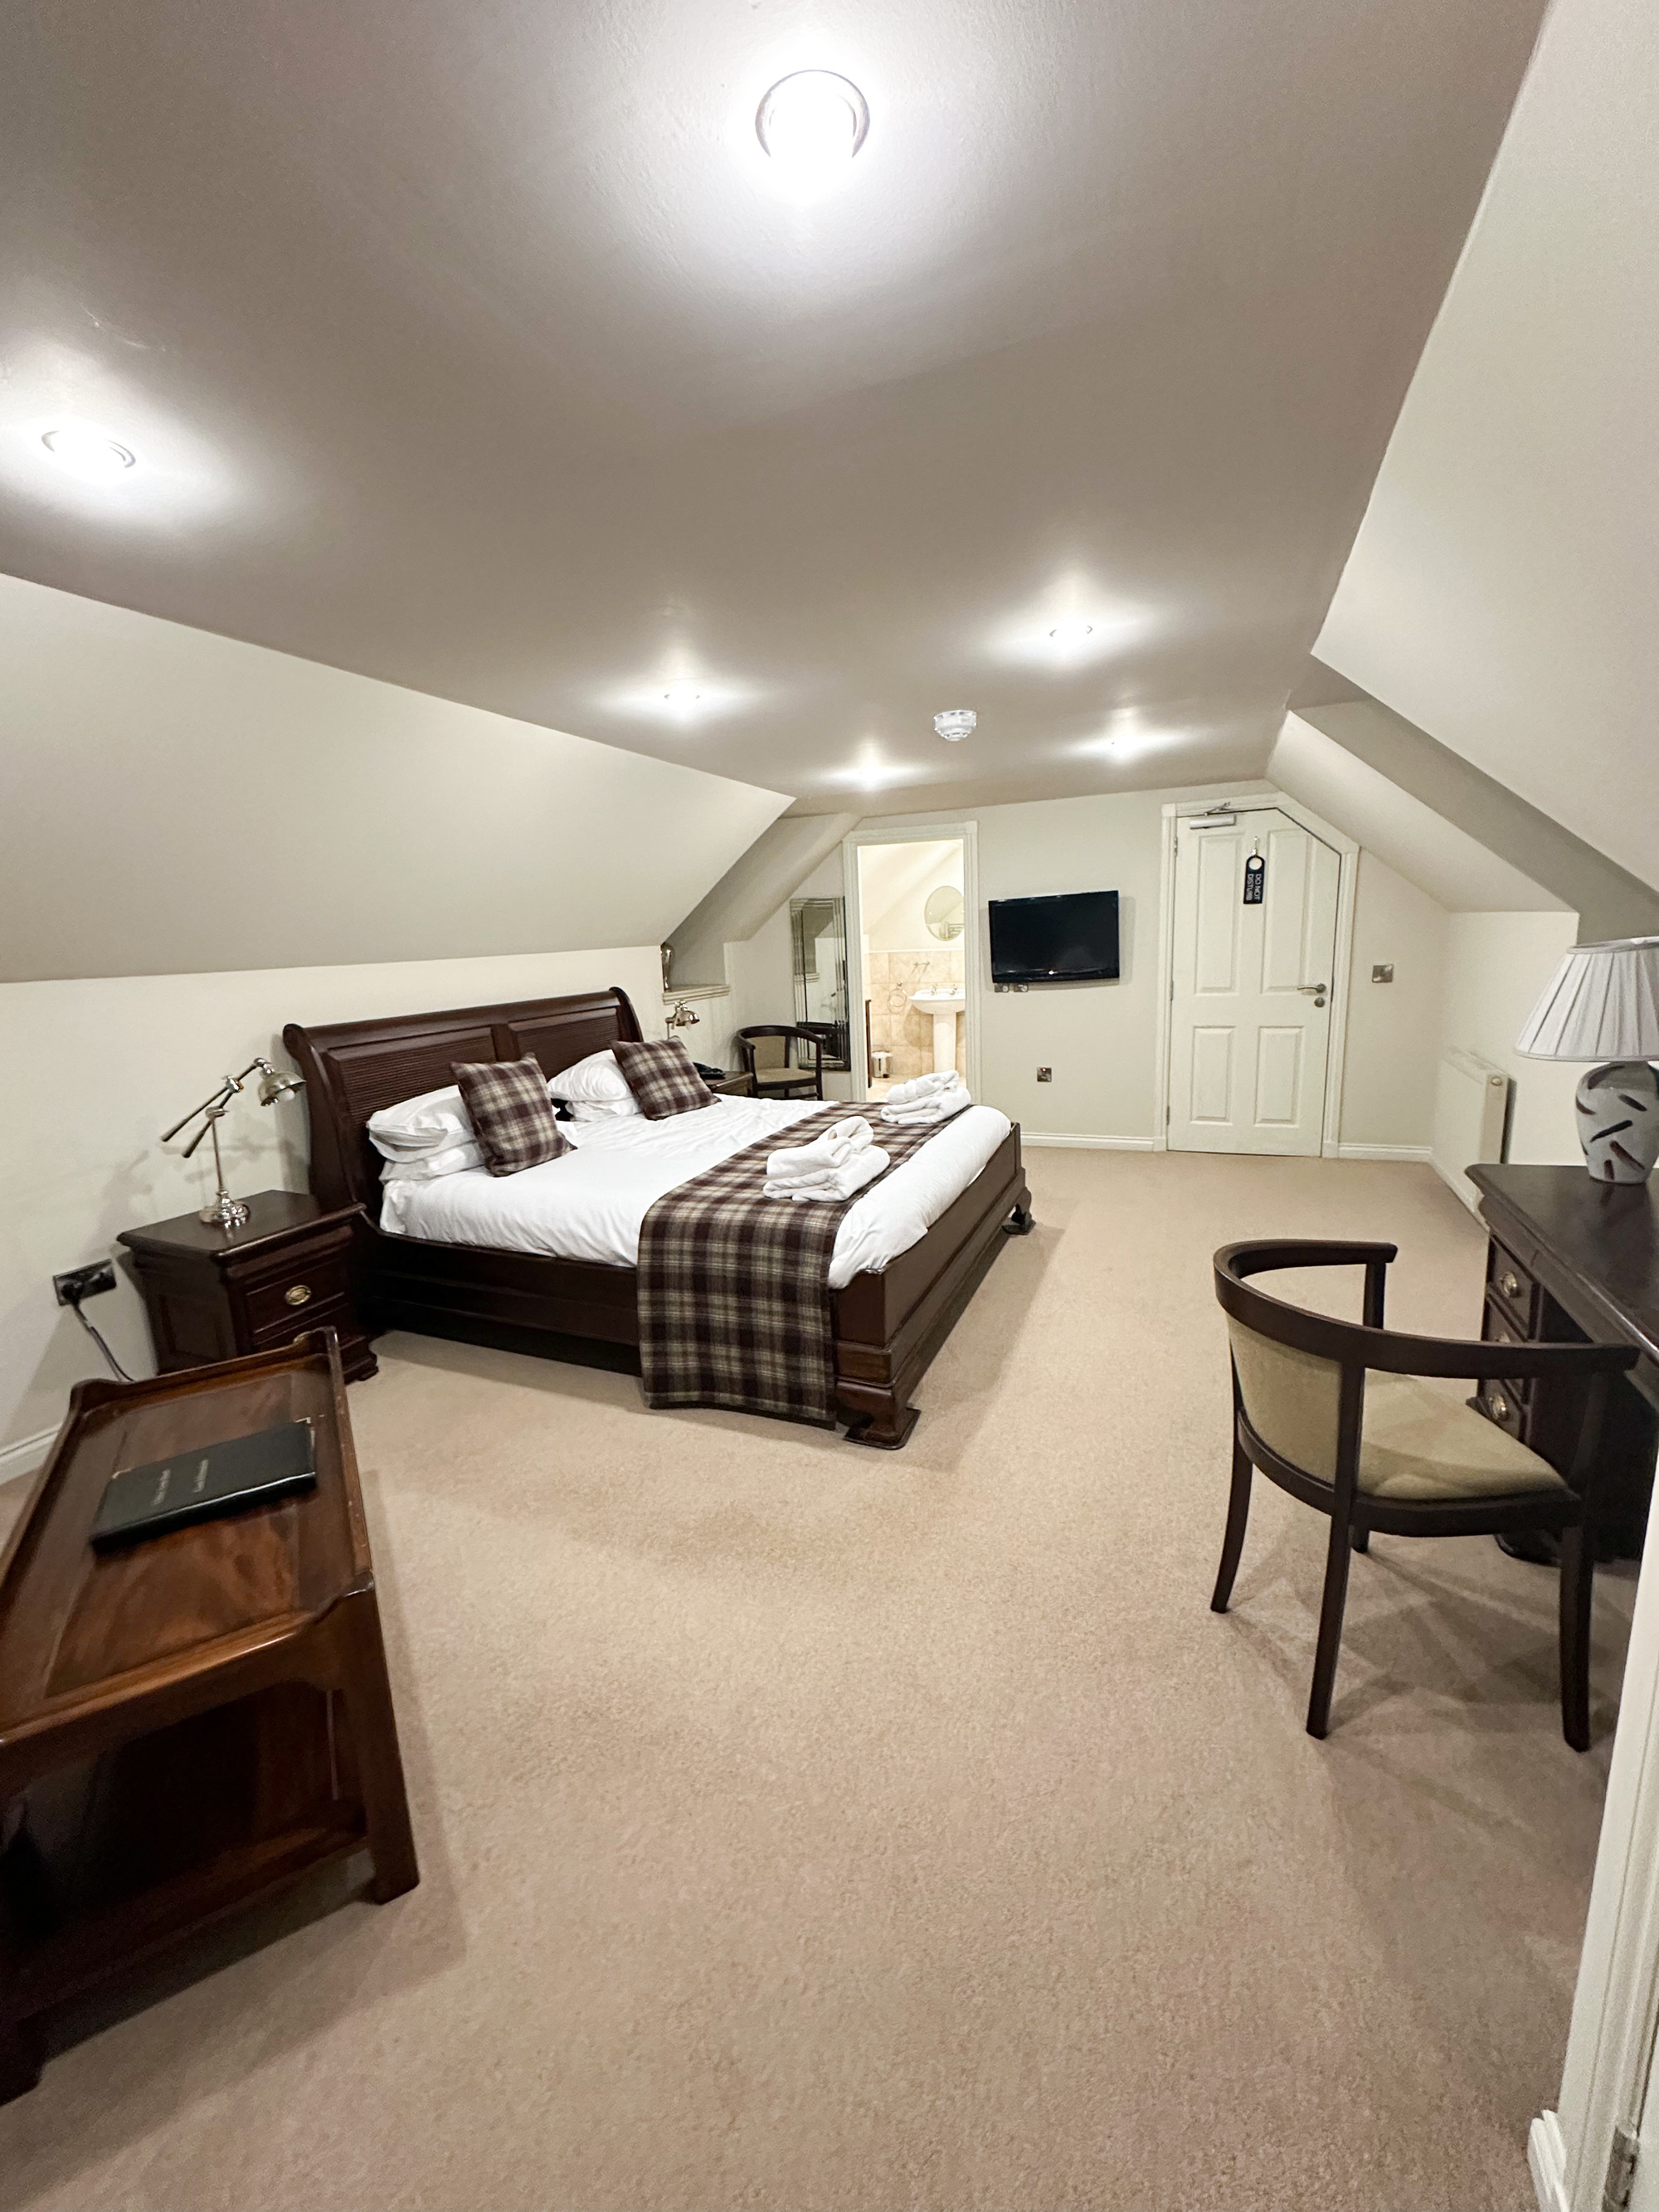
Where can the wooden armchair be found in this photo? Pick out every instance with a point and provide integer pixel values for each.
(782, 1061)
(1337, 1413)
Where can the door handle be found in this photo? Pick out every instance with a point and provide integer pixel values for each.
(1316, 991)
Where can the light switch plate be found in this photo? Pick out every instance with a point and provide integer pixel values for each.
(1383, 972)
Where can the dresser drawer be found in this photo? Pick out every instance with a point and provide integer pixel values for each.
(1513, 1291)
(1502, 1402)
(296, 1296)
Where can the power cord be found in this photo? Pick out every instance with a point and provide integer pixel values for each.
(74, 1305)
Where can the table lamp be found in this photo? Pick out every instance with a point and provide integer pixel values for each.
(1603, 1005)
(226, 1211)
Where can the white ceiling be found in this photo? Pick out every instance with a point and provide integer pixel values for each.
(1501, 593)
(473, 346)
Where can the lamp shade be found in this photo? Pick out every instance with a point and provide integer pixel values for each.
(1603, 1003)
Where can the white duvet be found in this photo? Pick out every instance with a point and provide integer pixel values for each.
(589, 1204)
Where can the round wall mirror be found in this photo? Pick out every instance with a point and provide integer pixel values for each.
(943, 912)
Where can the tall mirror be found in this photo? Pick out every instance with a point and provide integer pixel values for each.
(817, 932)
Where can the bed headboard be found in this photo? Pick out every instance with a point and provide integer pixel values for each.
(352, 1069)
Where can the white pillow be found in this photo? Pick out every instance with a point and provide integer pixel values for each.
(422, 1167)
(595, 1081)
(602, 1109)
(435, 1122)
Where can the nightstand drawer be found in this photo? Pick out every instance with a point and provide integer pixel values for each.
(336, 1314)
(294, 1299)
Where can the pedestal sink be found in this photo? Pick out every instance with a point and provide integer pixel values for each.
(943, 1006)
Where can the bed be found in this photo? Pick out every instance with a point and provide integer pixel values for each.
(888, 1322)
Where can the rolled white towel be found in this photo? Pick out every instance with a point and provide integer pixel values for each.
(939, 1108)
(922, 1086)
(863, 1167)
(838, 1144)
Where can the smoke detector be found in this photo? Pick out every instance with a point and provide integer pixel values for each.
(955, 724)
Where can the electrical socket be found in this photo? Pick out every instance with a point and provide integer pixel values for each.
(1045, 1075)
(80, 1283)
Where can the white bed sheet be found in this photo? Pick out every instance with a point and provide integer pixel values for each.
(589, 1204)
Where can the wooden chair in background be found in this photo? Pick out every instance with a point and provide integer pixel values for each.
(782, 1061)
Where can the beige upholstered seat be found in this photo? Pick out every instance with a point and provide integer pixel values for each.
(1418, 1439)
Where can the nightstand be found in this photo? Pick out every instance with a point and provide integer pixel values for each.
(734, 1086)
(219, 1293)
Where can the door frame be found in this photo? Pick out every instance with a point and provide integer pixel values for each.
(1347, 877)
(906, 830)
(1616, 1997)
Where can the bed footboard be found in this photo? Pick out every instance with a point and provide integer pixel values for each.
(889, 1327)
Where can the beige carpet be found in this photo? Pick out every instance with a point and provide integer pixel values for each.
(809, 1828)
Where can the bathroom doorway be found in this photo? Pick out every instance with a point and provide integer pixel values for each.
(913, 954)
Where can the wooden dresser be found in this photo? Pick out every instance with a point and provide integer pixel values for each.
(1574, 1261)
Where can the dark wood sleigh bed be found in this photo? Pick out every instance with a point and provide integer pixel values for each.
(887, 1327)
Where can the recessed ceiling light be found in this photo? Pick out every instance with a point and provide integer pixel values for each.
(955, 724)
(88, 452)
(681, 698)
(812, 122)
(1066, 634)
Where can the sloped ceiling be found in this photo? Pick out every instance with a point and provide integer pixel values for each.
(1462, 874)
(474, 347)
(1501, 593)
(176, 802)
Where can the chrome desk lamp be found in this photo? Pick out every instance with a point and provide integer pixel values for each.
(226, 1211)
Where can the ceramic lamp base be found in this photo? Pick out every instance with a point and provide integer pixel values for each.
(1618, 1121)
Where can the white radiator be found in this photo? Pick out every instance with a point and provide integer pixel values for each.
(1471, 1106)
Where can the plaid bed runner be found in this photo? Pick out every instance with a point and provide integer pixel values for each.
(734, 1284)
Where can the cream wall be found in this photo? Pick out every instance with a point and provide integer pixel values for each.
(176, 801)
(96, 1069)
(1388, 1072)
(1459, 979)
(1496, 966)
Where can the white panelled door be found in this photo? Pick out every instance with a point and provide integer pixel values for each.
(1250, 1013)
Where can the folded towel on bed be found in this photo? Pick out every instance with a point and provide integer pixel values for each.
(937, 1105)
(922, 1086)
(838, 1183)
(802, 1163)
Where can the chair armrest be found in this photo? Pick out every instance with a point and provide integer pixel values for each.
(1258, 1256)
(1467, 1362)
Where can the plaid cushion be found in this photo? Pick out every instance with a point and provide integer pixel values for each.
(662, 1078)
(511, 1114)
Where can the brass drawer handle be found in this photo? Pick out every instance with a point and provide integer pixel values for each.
(1500, 1405)
(1509, 1283)
(298, 1294)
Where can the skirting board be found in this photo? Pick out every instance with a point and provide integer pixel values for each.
(1423, 1153)
(1086, 1144)
(1546, 2154)
(23, 1458)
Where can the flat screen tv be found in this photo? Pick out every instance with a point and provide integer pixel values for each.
(1071, 938)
